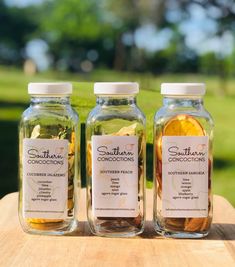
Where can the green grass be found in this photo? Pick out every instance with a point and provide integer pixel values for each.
(14, 99)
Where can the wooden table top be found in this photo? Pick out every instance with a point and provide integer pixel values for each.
(82, 249)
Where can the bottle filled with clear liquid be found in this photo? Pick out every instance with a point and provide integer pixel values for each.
(115, 153)
(48, 161)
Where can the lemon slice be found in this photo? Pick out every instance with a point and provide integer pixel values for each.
(129, 130)
(35, 220)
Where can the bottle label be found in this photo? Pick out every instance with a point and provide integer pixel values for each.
(45, 178)
(185, 176)
(115, 176)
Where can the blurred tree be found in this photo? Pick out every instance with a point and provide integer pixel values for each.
(16, 28)
(223, 13)
(74, 19)
(126, 17)
(86, 34)
(208, 63)
(75, 30)
(106, 26)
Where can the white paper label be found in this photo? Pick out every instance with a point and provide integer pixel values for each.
(115, 176)
(185, 176)
(45, 178)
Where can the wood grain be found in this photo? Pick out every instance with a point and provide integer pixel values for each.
(82, 249)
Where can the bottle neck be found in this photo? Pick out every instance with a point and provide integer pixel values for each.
(115, 100)
(50, 100)
(173, 102)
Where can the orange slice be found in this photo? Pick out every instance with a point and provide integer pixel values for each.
(183, 125)
(180, 125)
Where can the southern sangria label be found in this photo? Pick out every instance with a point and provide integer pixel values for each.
(45, 178)
(185, 176)
(115, 176)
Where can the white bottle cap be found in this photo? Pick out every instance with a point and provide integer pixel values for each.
(183, 89)
(116, 88)
(50, 88)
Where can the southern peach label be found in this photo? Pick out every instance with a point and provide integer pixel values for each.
(185, 176)
(45, 178)
(115, 176)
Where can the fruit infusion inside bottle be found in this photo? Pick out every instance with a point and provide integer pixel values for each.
(122, 222)
(57, 133)
(180, 125)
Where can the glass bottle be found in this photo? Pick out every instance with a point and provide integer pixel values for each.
(115, 144)
(183, 135)
(48, 161)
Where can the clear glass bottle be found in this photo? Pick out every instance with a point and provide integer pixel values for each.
(115, 143)
(183, 135)
(48, 161)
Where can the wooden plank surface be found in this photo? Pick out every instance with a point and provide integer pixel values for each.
(82, 249)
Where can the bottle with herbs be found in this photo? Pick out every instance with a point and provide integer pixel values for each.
(115, 152)
(183, 135)
(48, 161)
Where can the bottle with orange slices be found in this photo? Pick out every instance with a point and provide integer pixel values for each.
(183, 135)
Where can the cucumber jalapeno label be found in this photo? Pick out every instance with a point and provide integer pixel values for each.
(45, 178)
